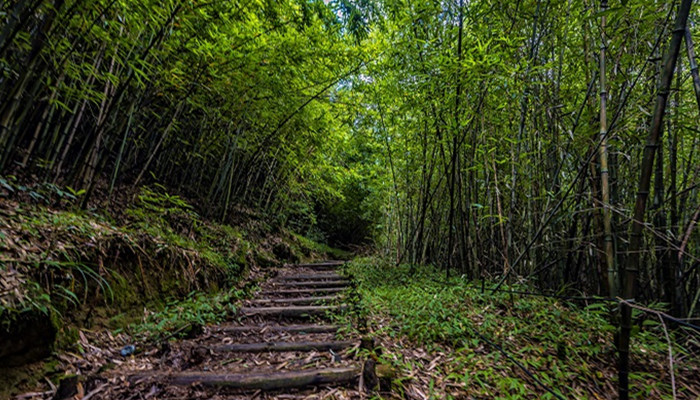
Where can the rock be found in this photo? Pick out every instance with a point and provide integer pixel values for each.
(127, 350)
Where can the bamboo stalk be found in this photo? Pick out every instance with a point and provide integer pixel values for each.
(690, 47)
(610, 274)
(629, 286)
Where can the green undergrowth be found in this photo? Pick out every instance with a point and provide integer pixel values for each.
(148, 267)
(569, 348)
(307, 245)
(159, 248)
(185, 317)
(152, 268)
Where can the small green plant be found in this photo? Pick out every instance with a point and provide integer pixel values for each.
(196, 310)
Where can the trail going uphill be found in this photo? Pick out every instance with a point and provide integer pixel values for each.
(286, 343)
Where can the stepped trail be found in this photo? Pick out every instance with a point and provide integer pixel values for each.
(283, 344)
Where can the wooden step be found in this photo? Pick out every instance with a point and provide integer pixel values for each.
(302, 291)
(256, 381)
(297, 300)
(282, 328)
(300, 277)
(292, 311)
(331, 263)
(314, 284)
(324, 266)
(284, 346)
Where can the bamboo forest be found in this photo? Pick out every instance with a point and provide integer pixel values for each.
(349, 199)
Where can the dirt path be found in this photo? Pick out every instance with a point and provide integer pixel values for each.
(287, 343)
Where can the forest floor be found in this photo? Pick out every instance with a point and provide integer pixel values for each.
(294, 340)
(453, 339)
(309, 332)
